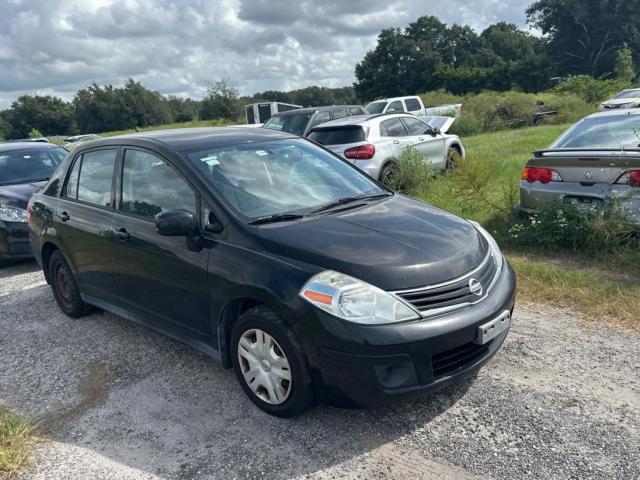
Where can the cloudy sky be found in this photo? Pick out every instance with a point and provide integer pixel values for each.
(177, 47)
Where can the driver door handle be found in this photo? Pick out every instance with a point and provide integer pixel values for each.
(122, 234)
(64, 216)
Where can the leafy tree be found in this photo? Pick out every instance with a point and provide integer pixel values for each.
(48, 114)
(221, 101)
(624, 69)
(35, 133)
(585, 35)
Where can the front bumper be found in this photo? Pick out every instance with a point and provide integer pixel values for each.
(14, 241)
(369, 366)
(624, 199)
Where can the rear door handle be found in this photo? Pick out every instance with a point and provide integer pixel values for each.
(64, 216)
(122, 234)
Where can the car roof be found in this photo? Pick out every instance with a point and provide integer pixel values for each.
(13, 146)
(363, 119)
(205, 137)
(323, 108)
(614, 113)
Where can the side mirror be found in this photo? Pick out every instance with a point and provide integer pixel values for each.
(435, 131)
(177, 223)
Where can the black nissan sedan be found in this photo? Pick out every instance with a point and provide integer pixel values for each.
(24, 167)
(277, 257)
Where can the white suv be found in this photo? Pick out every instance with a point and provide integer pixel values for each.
(374, 143)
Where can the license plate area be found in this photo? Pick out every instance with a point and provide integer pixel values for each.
(492, 329)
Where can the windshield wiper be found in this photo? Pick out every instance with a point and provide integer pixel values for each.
(351, 199)
(278, 217)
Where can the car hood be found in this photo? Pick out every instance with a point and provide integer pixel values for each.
(395, 243)
(621, 101)
(18, 195)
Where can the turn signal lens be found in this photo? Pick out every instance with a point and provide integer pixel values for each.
(542, 175)
(631, 178)
(363, 152)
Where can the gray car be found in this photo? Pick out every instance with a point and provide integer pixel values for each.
(301, 121)
(595, 162)
(374, 143)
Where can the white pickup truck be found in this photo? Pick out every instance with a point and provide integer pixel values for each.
(414, 106)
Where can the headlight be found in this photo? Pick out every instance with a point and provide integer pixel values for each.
(498, 259)
(12, 214)
(354, 300)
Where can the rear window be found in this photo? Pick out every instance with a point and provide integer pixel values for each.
(412, 104)
(338, 135)
(610, 131)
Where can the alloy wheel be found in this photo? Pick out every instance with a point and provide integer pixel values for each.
(264, 366)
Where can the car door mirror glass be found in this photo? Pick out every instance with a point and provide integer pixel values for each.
(176, 223)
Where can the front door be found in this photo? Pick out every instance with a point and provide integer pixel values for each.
(429, 144)
(162, 278)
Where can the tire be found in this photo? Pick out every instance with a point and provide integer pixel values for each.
(270, 391)
(452, 155)
(387, 174)
(65, 288)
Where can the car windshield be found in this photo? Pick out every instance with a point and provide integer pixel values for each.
(628, 94)
(280, 177)
(375, 107)
(24, 166)
(619, 131)
(293, 123)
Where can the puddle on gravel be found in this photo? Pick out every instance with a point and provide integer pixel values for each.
(94, 389)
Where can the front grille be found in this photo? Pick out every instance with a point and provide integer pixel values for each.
(454, 294)
(448, 363)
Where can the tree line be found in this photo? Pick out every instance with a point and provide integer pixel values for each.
(578, 38)
(108, 108)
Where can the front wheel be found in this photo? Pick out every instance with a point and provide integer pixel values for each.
(270, 364)
(65, 288)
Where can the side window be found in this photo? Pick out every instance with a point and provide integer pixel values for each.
(150, 186)
(353, 111)
(395, 107)
(320, 117)
(339, 113)
(415, 126)
(412, 104)
(91, 178)
(393, 128)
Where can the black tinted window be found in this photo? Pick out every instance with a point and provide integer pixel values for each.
(23, 166)
(393, 128)
(150, 186)
(94, 175)
(412, 104)
(415, 126)
(338, 135)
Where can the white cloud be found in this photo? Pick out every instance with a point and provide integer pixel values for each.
(177, 47)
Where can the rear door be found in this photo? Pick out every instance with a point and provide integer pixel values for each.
(161, 278)
(83, 221)
(396, 135)
(429, 144)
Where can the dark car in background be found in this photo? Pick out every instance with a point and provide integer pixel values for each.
(24, 167)
(300, 122)
(277, 257)
(595, 164)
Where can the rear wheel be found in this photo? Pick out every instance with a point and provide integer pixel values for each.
(65, 288)
(270, 364)
(386, 176)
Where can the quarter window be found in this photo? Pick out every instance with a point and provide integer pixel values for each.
(91, 178)
(150, 186)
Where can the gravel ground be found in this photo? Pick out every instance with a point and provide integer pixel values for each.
(118, 401)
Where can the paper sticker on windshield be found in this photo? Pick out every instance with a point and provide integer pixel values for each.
(212, 160)
(262, 153)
